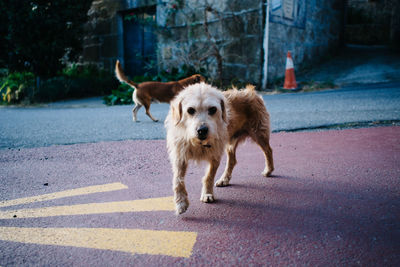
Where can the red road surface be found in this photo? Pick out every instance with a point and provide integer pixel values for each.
(334, 200)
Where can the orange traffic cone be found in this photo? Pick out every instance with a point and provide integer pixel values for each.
(290, 79)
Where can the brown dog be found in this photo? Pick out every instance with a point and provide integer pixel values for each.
(202, 121)
(147, 92)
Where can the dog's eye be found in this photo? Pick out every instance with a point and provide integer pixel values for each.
(191, 111)
(212, 110)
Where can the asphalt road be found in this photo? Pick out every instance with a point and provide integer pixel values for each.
(81, 186)
(89, 121)
(333, 201)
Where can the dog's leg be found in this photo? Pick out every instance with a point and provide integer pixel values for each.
(208, 182)
(135, 111)
(147, 107)
(263, 141)
(230, 164)
(178, 183)
(137, 106)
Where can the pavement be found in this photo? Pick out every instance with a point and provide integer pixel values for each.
(86, 121)
(333, 201)
(82, 185)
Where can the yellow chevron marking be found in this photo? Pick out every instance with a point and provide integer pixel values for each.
(151, 204)
(66, 193)
(175, 244)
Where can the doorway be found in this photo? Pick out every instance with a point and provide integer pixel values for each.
(140, 41)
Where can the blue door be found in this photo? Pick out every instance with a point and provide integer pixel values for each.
(140, 41)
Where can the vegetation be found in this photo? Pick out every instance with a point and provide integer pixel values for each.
(120, 96)
(311, 86)
(77, 81)
(74, 81)
(36, 34)
(16, 86)
(303, 86)
(37, 39)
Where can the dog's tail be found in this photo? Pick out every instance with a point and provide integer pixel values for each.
(119, 73)
(250, 87)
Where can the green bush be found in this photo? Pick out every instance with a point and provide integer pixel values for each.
(62, 87)
(53, 89)
(84, 71)
(120, 96)
(88, 80)
(15, 86)
(35, 35)
(75, 81)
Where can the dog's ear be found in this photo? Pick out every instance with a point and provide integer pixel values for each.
(176, 107)
(223, 110)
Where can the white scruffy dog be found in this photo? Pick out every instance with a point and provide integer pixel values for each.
(202, 121)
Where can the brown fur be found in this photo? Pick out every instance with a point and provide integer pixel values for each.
(147, 92)
(248, 117)
(239, 114)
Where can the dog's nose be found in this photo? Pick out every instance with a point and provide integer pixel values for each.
(202, 132)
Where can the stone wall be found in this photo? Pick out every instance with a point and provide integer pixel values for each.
(373, 22)
(232, 37)
(103, 41)
(315, 40)
(237, 30)
(223, 36)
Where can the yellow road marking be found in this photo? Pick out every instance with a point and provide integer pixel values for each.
(66, 193)
(176, 244)
(150, 204)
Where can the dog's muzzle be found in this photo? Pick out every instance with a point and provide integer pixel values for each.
(202, 132)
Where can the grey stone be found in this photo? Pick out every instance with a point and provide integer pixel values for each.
(91, 53)
(236, 28)
(109, 47)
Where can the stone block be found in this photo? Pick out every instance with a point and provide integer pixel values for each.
(240, 5)
(233, 27)
(254, 24)
(102, 27)
(91, 53)
(109, 46)
(246, 50)
(199, 49)
(254, 74)
(166, 53)
(217, 31)
(234, 72)
(91, 40)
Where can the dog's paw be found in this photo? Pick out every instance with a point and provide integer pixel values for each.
(267, 173)
(181, 207)
(221, 183)
(207, 198)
